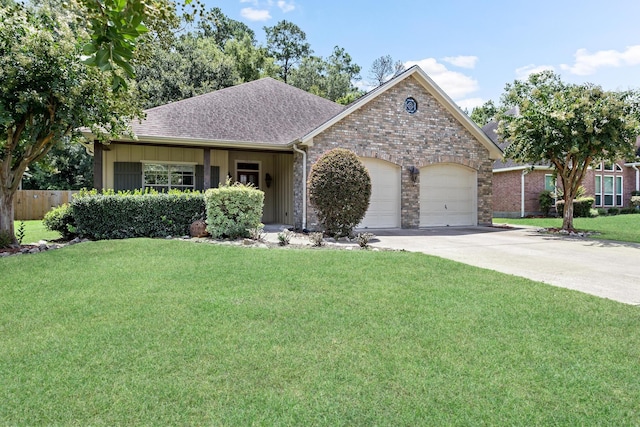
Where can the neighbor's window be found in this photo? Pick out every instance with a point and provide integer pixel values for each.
(618, 191)
(549, 183)
(164, 177)
(608, 190)
(598, 190)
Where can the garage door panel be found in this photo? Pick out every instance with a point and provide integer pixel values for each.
(384, 205)
(447, 196)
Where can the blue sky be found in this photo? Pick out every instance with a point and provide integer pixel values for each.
(470, 48)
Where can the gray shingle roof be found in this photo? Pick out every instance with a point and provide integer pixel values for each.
(262, 111)
(491, 129)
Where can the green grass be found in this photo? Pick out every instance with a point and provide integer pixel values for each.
(35, 231)
(624, 228)
(155, 332)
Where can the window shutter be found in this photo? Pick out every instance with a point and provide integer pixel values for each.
(127, 176)
(215, 177)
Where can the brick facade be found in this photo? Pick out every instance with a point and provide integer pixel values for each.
(382, 129)
(507, 193)
(507, 189)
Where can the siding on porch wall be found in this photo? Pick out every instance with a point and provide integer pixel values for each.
(383, 129)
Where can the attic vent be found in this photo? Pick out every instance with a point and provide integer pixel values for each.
(410, 105)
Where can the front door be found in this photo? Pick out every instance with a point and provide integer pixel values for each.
(246, 177)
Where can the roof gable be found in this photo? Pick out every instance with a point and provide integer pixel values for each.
(432, 88)
(262, 111)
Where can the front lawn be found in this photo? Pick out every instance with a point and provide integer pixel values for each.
(157, 332)
(624, 228)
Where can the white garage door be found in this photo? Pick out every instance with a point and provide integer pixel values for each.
(384, 208)
(448, 195)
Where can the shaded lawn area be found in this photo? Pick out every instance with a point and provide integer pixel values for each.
(624, 228)
(168, 332)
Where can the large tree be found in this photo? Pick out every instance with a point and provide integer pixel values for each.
(67, 166)
(287, 43)
(383, 68)
(46, 93)
(332, 78)
(192, 66)
(485, 113)
(570, 126)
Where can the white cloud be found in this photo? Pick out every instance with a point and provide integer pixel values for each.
(255, 14)
(470, 103)
(587, 63)
(523, 72)
(462, 61)
(286, 7)
(455, 84)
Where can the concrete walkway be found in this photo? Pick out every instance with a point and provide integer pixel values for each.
(602, 268)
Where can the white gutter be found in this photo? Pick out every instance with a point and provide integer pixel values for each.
(304, 185)
(635, 168)
(524, 172)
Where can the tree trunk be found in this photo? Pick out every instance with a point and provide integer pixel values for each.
(567, 217)
(6, 214)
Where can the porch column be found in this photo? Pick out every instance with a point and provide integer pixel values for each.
(97, 165)
(207, 168)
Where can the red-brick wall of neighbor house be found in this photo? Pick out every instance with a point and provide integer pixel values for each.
(507, 193)
(383, 129)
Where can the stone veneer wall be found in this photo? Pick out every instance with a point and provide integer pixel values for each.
(383, 129)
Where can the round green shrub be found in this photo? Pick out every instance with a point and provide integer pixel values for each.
(60, 219)
(339, 190)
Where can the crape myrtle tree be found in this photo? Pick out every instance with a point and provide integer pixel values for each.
(570, 126)
(47, 92)
(339, 190)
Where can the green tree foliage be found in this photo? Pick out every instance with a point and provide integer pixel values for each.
(67, 166)
(286, 42)
(218, 26)
(485, 113)
(193, 66)
(332, 78)
(46, 92)
(220, 53)
(116, 28)
(339, 190)
(570, 126)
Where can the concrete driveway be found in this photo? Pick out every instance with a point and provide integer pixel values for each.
(602, 268)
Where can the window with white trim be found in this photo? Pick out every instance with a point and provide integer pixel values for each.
(619, 190)
(549, 183)
(166, 176)
(598, 190)
(607, 190)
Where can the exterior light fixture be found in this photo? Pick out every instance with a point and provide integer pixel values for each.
(268, 180)
(414, 172)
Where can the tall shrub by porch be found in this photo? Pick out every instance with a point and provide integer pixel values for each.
(233, 209)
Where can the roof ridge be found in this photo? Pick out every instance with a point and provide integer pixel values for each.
(172, 103)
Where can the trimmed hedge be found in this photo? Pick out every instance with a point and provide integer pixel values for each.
(232, 210)
(581, 207)
(60, 219)
(124, 215)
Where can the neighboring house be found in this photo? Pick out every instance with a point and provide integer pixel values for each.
(517, 187)
(430, 164)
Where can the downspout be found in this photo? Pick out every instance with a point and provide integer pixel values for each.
(524, 172)
(304, 185)
(635, 167)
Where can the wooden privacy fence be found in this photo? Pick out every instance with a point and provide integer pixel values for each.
(33, 204)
